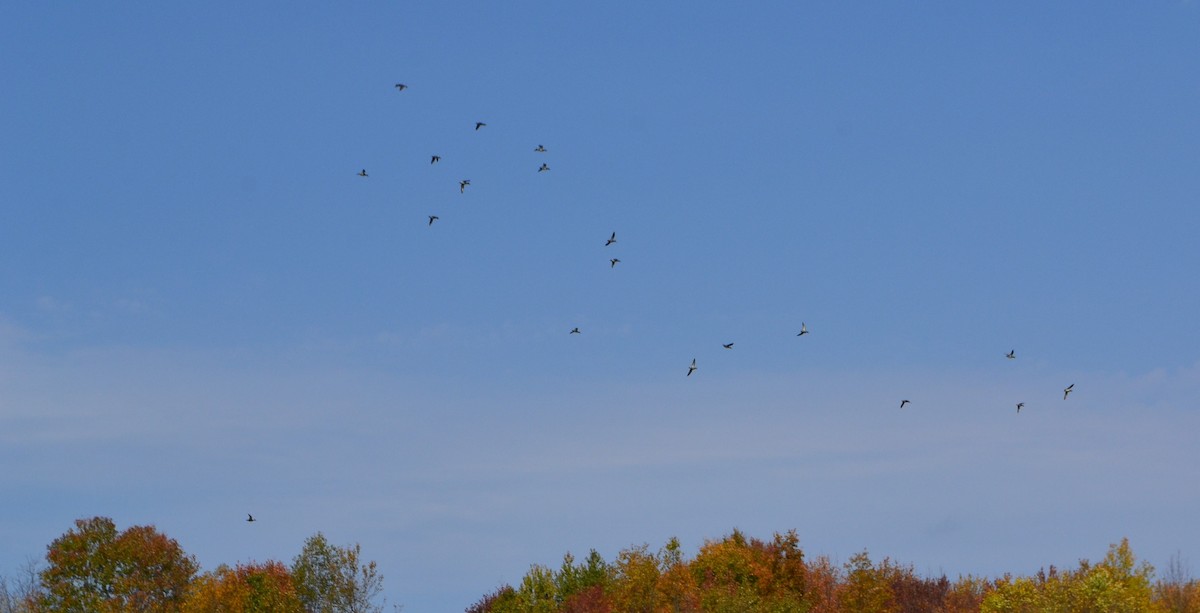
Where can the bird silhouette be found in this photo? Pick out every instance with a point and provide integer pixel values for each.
(250, 517)
(462, 185)
(540, 149)
(1012, 355)
(479, 124)
(543, 167)
(362, 173)
(692, 368)
(728, 345)
(1020, 405)
(1067, 391)
(613, 263)
(903, 402)
(574, 331)
(401, 87)
(433, 218)
(435, 159)
(803, 329)
(612, 239)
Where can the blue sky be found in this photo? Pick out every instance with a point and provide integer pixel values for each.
(205, 312)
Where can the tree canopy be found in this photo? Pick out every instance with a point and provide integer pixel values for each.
(95, 568)
(736, 574)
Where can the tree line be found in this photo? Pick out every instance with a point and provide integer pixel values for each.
(93, 568)
(737, 574)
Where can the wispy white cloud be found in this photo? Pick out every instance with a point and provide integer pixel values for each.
(592, 462)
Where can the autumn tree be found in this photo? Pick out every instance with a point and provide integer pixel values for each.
(912, 593)
(866, 589)
(635, 579)
(20, 595)
(247, 588)
(580, 588)
(502, 598)
(93, 568)
(536, 594)
(332, 579)
(740, 574)
(678, 591)
(1117, 584)
(966, 595)
(823, 579)
(1177, 591)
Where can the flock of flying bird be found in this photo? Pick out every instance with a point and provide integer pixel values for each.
(612, 238)
(1012, 355)
(462, 188)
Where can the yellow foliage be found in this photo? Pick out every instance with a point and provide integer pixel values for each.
(865, 589)
(635, 582)
(1118, 584)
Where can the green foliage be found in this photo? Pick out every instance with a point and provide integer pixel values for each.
(537, 593)
(330, 579)
(573, 579)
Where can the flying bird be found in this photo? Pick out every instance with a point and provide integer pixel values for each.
(462, 185)
(250, 517)
(728, 345)
(612, 239)
(543, 167)
(1067, 391)
(433, 218)
(362, 173)
(1012, 355)
(803, 329)
(574, 331)
(540, 149)
(903, 402)
(401, 87)
(479, 124)
(613, 263)
(1020, 405)
(692, 367)
(435, 159)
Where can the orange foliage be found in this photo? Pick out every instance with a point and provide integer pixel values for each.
(95, 568)
(737, 574)
(248, 588)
